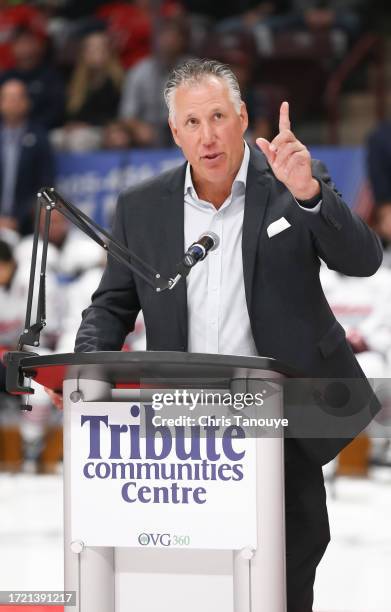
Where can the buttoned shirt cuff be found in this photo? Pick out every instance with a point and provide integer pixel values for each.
(314, 209)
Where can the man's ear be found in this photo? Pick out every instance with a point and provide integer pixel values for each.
(243, 116)
(174, 132)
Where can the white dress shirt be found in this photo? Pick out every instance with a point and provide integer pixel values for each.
(218, 319)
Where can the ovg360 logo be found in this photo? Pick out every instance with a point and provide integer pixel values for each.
(154, 539)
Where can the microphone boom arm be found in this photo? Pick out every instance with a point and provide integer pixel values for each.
(49, 199)
(53, 199)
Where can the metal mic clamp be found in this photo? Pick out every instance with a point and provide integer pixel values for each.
(208, 241)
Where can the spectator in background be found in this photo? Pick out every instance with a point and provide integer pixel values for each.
(361, 305)
(231, 14)
(142, 105)
(43, 81)
(262, 102)
(130, 26)
(10, 329)
(70, 252)
(265, 19)
(77, 298)
(95, 86)
(94, 94)
(321, 14)
(342, 18)
(379, 170)
(67, 21)
(116, 135)
(14, 281)
(11, 18)
(69, 9)
(26, 161)
(247, 17)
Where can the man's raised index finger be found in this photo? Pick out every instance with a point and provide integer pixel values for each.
(284, 123)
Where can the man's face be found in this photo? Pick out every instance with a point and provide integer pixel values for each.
(209, 130)
(7, 269)
(171, 43)
(96, 50)
(58, 230)
(14, 102)
(27, 50)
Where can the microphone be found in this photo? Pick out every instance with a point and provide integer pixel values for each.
(208, 241)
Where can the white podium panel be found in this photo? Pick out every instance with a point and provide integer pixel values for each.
(158, 520)
(187, 580)
(134, 487)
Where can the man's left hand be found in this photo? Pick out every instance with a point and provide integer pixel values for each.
(290, 160)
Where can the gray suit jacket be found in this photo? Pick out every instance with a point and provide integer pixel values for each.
(290, 317)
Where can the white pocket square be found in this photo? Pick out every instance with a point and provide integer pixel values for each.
(277, 226)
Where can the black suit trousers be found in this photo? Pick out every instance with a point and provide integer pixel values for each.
(307, 527)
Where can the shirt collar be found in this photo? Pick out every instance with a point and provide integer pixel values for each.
(240, 178)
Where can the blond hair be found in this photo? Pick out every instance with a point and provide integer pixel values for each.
(80, 80)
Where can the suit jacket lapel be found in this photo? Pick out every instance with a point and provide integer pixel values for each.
(172, 221)
(257, 199)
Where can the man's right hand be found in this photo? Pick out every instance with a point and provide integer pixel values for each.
(55, 397)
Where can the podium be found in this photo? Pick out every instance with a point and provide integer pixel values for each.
(200, 524)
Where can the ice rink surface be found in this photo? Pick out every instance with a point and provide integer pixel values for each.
(354, 576)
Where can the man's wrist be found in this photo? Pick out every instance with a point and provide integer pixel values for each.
(311, 196)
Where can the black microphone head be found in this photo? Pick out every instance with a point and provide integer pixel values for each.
(209, 240)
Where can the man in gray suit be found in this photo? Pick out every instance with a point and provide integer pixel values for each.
(277, 214)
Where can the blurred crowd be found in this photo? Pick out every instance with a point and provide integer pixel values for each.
(86, 76)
